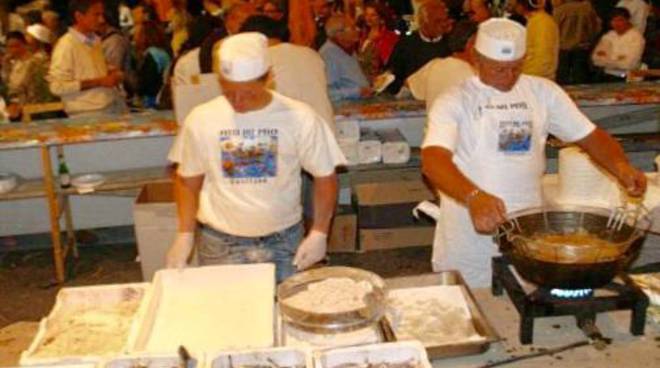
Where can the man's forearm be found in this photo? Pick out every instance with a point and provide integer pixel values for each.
(186, 195)
(325, 199)
(440, 170)
(90, 83)
(604, 150)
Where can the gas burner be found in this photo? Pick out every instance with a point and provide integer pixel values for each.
(572, 293)
(533, 301)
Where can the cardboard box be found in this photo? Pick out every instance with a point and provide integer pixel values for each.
(389, 204)
(372, 239)
(155, 218)
(343, 234)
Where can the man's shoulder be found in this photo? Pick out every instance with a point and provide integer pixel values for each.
(210, 109)
(294, 51)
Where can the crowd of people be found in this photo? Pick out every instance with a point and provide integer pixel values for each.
(108, 56)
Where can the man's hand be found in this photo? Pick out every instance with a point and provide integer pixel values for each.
(311, 250)
(177, 255)
(487, 212)
(632, 179)
(112, 79)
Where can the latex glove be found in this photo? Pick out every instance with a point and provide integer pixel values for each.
(177, 255)
(311, 250)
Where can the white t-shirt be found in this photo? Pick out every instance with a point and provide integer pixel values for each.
(639, 12)
(186, 67)
(622, 52)
(438, 76)
(252, 162)
(299, 73)
(452, 117)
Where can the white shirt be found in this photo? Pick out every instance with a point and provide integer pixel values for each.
(299, 73)
(77, 58)
(622, 52)
(639, 12)
(252, 162)
(498, 142)
(186, 67)
(451, 119)
(438, 76)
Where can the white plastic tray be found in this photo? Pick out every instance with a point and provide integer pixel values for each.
(395, 352)
(283, 357)
(84, 297)
(209, 309)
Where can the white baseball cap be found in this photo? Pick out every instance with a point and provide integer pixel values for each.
(244, 56)
(501, 39)
(40, 32)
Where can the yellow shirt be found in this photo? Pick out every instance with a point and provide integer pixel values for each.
(542, 46)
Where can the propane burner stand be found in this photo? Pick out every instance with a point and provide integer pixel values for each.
(620, 294)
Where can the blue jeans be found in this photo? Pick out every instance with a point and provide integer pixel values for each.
(215, 247)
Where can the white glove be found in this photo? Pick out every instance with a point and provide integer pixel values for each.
(177, 255)
(311, 250)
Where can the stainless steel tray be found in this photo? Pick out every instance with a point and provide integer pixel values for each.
(481, 324)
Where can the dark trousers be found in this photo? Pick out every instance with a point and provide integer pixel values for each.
(573, 67)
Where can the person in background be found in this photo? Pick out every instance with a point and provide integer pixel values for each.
(24, 73)
(542, 39)
(298, 72)
(441, 74)
(321, 10)
(476, 10)
(178, 19)
(274, 9)
(639, 13)
(415, 50)
(39, 38)
(51, 20)
(345, 77)
(237, 14)
(78, 71)
(484, 149)
(153, 62)
(240, 157)
(620, 50)
(302, 28)
(188, 64)
(579, 27)
(377, 40)
(116, 46)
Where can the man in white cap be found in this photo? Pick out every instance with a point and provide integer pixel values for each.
(484, 149)
(240, 157)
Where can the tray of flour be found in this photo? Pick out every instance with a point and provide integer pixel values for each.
(88, 324)
(438, 310)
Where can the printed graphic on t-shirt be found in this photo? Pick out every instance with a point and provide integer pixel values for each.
(249, 155)
(515, 137)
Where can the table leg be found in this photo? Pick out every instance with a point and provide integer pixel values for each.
(53, 207)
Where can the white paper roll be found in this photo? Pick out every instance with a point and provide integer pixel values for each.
(582, 182)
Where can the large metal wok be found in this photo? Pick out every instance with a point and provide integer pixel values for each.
(571, 247)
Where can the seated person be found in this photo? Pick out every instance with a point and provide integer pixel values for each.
(345, 77)
(620, 50)
(24, 73)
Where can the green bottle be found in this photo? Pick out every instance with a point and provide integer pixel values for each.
(63, 172)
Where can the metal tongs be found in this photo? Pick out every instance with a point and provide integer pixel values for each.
(629, 213)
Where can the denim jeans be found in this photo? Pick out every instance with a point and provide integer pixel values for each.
(215, 247)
